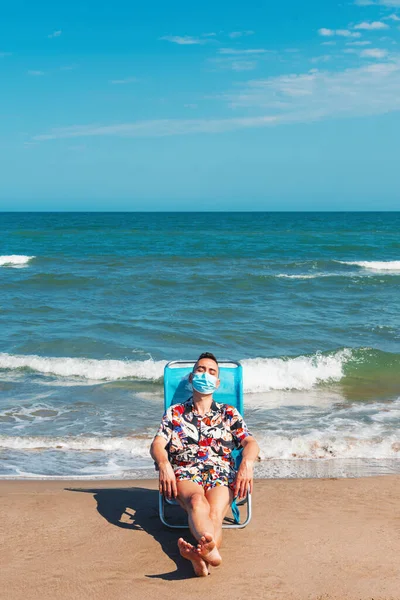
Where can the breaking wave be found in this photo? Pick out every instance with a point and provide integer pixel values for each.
(15, 260)
(299, 373)
(106, 370)
(138, 447)
(314, 446)
(374, 265)
(259, 374)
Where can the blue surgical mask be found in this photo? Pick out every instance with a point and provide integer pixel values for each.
(204, 383)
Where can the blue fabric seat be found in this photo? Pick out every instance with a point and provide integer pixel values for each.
(177, 390)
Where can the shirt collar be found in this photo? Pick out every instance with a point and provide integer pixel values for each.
(189, 407)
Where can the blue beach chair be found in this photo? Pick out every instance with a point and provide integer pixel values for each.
(177, 390)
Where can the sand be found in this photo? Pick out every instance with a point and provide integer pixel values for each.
(308, 540)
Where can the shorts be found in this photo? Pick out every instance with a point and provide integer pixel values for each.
(207, 476)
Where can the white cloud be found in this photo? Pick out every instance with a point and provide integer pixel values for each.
(237, 34)
(364, 43)
(190, 105)
(233, 51)
(347, 33)
(157, 128)
(234, 63)
(236, 59)
(371, 26)
(123, 81)
(390, 3)
(35, 73)
(183, 40)
(326, 32)
(332, 43)
(243, 65)
(208, 34)
(367, 90)
(55, 34)
(339, 32)
(373, 53)
(372, 89)
(323, 58)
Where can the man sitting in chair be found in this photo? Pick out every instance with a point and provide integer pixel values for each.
(198, 468)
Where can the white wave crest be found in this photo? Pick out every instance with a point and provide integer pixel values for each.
(136, 446)
(300, 373)
(375, 265)
(285, 276)
(15, 260)
(314, 446)
(323, 446)
(260, 374)
(96, 370)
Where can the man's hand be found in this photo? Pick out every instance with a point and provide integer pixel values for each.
(167, 477)
(244, 479)
(167, 480)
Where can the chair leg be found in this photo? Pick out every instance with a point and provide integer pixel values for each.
(161, 511)
(248, 516)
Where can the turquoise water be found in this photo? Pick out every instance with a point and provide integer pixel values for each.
(93, 305)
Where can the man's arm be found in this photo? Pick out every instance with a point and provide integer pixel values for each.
(167, 480)
(244, 477)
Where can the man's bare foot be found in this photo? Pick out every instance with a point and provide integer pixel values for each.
(189, 552)
(208, 550)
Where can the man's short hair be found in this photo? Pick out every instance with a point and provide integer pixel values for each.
(207, 355)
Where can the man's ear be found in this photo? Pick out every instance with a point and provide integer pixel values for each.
(190, 377)
(218, 382)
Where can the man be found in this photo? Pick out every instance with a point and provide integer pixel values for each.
(198, 468)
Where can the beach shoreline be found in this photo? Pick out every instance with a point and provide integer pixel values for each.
(309, 539)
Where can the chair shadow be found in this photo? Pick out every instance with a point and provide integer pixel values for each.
(136, 508)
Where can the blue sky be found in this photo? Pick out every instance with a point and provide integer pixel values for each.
(214, 105)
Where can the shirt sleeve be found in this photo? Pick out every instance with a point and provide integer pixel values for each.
(166, 427)
(239, 429)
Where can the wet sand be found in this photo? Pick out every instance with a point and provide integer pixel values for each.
(309, 539)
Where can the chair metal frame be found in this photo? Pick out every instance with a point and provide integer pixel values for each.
(163, 502)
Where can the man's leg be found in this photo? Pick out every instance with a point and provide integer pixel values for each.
(219, 499)
(192, 497)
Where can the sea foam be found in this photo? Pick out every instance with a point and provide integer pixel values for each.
(86, 368)
(313, 446)
(324, 446)
(375, 265)
(15, 260)
(138, 447)
(299, 373)
(260, 374)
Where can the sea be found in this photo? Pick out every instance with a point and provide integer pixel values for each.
(93, 306)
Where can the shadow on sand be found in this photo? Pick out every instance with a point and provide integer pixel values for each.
(137, 509)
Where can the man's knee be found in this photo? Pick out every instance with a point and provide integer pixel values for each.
(197, 501)
(218, 509)
(217, 513)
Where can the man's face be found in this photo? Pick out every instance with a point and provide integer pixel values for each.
(205, 365)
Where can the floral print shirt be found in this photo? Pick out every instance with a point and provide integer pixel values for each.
(202, 440)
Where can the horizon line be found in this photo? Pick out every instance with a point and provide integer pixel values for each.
(194, 211)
